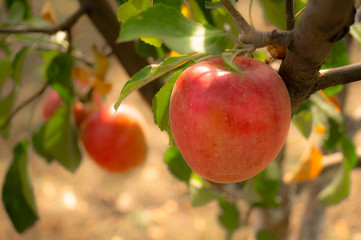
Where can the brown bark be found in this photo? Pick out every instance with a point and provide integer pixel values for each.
(322, 24)
(102, 15)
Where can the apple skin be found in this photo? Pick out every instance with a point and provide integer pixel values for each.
(116, 141)
(51, 103)
(81, 111)
(228, 127)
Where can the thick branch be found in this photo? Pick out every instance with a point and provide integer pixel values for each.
(337, 76)
(64, 26)
(322, 24)
(102, 15)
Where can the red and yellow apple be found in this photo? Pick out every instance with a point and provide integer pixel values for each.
(229, 127)
(116, 141)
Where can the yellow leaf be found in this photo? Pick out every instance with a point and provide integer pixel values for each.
(101, 63)
(310, 166)
(333, 100)
(175, 54)
(102, 87)
(186, 11)
(48, 14)
(81, 74)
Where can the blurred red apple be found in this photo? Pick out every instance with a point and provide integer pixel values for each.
(116, 141)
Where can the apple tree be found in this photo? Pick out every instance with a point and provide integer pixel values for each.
(158, 40)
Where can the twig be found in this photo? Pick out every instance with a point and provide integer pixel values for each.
(241, 24)
(66, 25)
(22, 105)
(290, 15)
(252, 36)
(337, 76)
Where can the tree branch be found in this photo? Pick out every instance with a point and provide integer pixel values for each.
(252, 36)
(337, 76)
(22, 105)
(64, 26)
(241, 23)
(290, 15)
(323, 23)
(103, 17)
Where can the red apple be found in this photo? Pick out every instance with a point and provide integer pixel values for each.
(80, 110)
(115, 140)
(51, 103)
(229, 127)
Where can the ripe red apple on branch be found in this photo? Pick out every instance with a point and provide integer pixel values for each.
(116, 141)
(229, 127)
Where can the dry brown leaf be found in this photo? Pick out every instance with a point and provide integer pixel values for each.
(82, 74)
(102, 87)
(333, 100)
(48, 14)
(101, 63)
(277, 51)
(310, 166)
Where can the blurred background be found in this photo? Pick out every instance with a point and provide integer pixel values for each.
(147, 203)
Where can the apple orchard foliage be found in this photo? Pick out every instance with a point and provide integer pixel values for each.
(199, 37)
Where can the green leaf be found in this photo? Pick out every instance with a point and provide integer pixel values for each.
(338, 56)
(6, 106)
(324, 113)
(58, 75)
(17, 12)
(334, 134)
(17, 64)
(265, 235)
(5, 70)
(17, 192)
(177, 4)
(274, 11)
(5, 46)
(339, 188)
(152, 41)
(145, 50)
(197, 12)
(120, 2)
(150, 73)
(228, 61)
(176, 164)
(333, 90)
(177, 32)
(200, 192)
(131, 8)
(26, 10)
(267, 184)
(303, 121)
(160, 103)
(206, 12)
(229, 217)
(57, 139)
